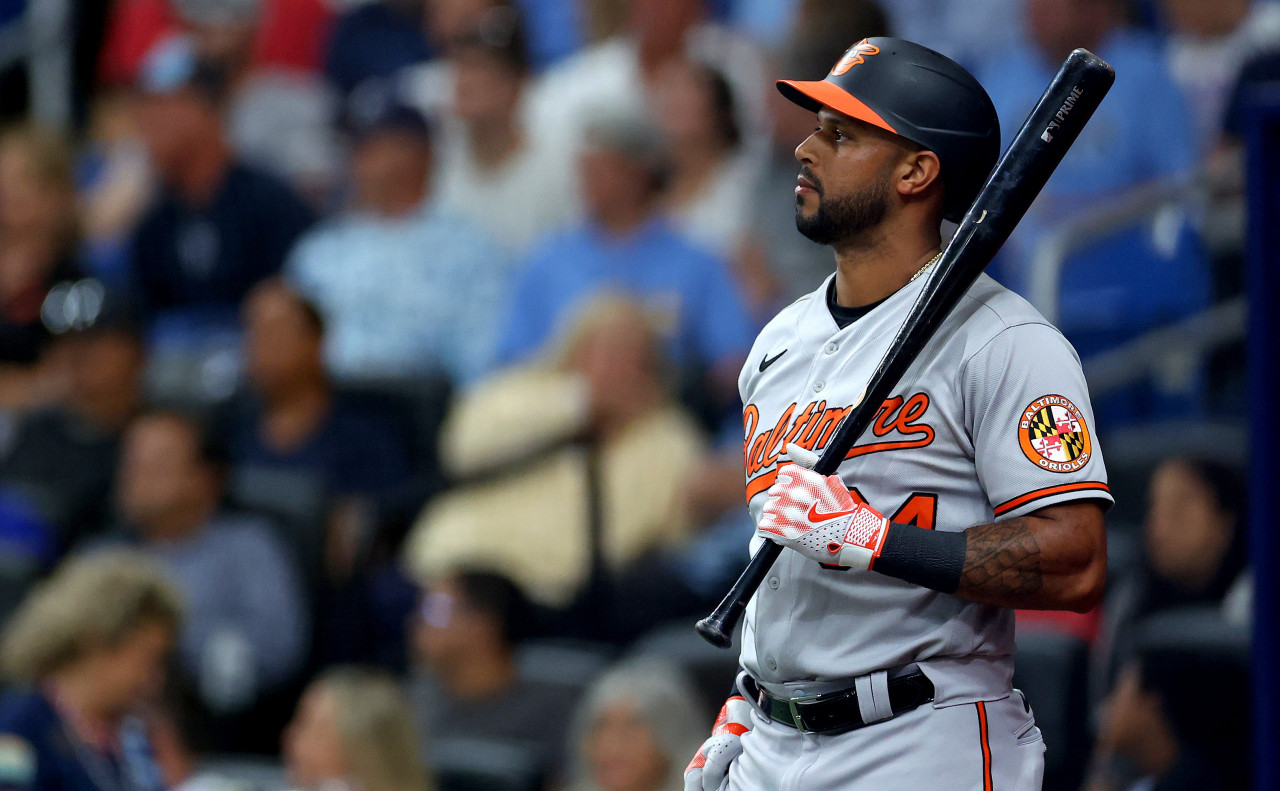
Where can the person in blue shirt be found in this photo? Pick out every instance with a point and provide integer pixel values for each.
(1142, 131)
(1137, 277)
(87, 650)
(406, 288)
(626, 245)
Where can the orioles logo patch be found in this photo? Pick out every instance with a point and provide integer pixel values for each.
(1053, 435)
(856, 56)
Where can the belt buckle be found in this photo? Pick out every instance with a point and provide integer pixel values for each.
(794, 705)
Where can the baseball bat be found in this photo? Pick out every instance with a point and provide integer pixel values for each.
(1050, 129)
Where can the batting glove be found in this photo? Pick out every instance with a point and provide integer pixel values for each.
(816, 516)
(710, 766)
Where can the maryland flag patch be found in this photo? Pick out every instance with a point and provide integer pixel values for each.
(1053, 435)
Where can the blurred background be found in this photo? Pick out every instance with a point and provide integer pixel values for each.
(397, 340)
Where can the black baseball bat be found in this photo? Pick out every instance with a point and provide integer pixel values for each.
(1050, 129)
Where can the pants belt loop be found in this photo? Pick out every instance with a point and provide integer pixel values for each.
(873, 696)
(752, 693)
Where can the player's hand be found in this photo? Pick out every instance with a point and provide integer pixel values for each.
(710, 765)
(817, 516)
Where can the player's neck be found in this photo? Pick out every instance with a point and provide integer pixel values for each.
(870, 269)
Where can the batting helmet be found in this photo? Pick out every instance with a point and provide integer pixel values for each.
(921, 95)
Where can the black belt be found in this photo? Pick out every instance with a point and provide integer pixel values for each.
(838, 712)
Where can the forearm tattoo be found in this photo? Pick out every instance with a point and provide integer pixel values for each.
(1002, 560)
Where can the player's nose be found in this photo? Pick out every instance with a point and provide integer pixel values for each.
(804, 151)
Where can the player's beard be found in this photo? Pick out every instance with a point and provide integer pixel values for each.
(840, 218)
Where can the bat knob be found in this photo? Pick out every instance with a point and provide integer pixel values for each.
(713, 631)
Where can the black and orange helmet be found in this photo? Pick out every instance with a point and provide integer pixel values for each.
(921, 95)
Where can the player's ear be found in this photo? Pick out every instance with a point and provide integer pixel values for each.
(920, 171)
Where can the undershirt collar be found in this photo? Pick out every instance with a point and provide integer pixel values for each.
(846, 316)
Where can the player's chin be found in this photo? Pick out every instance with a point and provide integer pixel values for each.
(807, 207)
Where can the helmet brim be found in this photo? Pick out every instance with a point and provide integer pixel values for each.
(813, 95)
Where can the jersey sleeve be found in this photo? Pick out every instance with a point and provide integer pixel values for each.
(1027, 411)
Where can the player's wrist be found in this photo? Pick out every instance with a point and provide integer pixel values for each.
(864, 539)
(932, 559)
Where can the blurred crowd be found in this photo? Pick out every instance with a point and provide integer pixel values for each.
(371, 365)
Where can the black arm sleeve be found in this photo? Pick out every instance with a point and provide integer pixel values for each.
(933, 559)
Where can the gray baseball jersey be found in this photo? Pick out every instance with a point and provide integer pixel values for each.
(992, 421)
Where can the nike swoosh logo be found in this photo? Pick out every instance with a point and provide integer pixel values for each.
(816, 516)
(768, 361)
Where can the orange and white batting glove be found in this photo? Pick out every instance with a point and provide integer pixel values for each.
(710, 766)
(817, 516)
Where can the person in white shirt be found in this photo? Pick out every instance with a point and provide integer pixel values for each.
(491, 170)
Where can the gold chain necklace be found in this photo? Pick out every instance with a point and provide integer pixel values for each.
(921, 270)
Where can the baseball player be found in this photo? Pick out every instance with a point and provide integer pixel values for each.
(878, 653)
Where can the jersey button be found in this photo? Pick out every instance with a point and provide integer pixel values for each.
(771, 664)
(818, 385)
(831, 348)
(773, 583)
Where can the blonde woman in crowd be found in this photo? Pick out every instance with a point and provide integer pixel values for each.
(86, 649)
(353, 731)
(527, 440)
(636, 729)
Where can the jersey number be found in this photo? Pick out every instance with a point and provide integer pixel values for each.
(920, 509)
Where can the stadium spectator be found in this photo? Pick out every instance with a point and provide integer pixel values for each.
(1209, 44)
(430, 85)
(293, 418)
(1195, 553)
(86, 650)
(352, 729)
(218, 225)
(62, 458)
(38, 238)
(626, 245)
(636, 729)
(247, 629)
(609, 76)
(465, 682)
(583, 454)
(329, 464)
(405, 288)
(492, 171)
(1156, 736)
(1115, 151)
(278, 118)
(712, 178)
